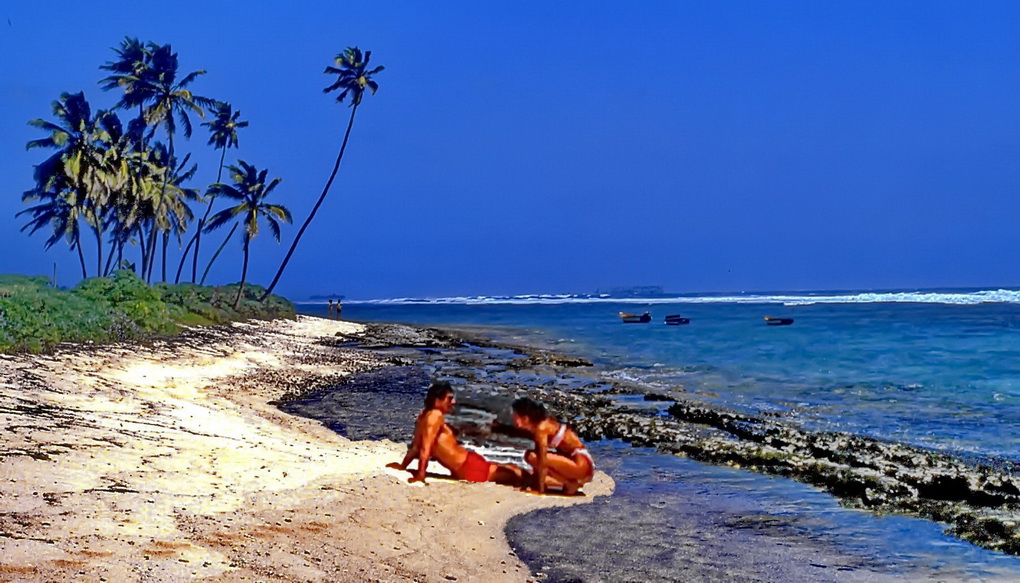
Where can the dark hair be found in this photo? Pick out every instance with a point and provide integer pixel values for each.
(530, 408)
(438, 390)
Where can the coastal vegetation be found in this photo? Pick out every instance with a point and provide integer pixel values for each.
(35, 316)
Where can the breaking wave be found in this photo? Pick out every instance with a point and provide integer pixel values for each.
(973, 297)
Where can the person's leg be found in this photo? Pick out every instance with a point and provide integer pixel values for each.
(530, 458)
(574, 471)
(558, 473)
(506, 474)
(566, 468)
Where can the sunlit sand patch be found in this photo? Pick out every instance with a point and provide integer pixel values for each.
(170, 461)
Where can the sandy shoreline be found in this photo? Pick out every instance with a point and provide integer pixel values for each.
(169, 462)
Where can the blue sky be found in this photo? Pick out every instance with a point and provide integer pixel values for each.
(547, 147)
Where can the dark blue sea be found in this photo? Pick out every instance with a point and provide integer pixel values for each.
(938, 369)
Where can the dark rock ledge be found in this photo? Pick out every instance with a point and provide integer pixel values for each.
(979, 501)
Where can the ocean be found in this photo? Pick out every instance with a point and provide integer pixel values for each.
(937, 369)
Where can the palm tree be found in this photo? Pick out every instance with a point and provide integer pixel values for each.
(163, 206)
(223, 130)
(148, 75)
(131, 72)
(59, 209)
(171, 99)
(74, 180)
(171, 102)
(174, 213)
(251, 189)
(353, 78)
(133, 175)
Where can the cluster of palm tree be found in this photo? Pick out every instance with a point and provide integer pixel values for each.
(129, 189)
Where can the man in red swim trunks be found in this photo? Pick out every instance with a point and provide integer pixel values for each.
(435, 440)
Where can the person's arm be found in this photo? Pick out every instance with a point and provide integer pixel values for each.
(541, 445)
(433, 423)
(412, 452)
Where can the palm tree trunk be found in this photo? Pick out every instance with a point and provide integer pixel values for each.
(170, 163)
(109, 257)
(315, 209)
(142, 249)
(99, 252)
(217, 254)
(166, 241)
(143, 243)
(152, 253)
(141, 133)
(244, 274)
(81, 258)
(180, 266)
(198, 234)
(197, 237)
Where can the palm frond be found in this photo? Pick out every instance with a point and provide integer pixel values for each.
(274, 227)
(222, 217)
(190, 77)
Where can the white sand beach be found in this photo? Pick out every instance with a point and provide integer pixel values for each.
(170, 462)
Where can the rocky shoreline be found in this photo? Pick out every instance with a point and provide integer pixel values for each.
(978, 500)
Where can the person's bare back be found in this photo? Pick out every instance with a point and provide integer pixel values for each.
(444, 447)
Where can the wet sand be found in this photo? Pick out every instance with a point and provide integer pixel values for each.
(170, 461)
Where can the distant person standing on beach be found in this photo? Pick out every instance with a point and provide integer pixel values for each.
(559, 459)
(435, 440)
(338, 306)
(330, 309)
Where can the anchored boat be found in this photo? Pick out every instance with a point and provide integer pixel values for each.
(635, 318)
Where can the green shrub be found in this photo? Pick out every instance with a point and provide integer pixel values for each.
(250, 307)
(125, 292)
(36, 317)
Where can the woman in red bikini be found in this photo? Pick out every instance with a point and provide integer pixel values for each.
(434, 439)
(559, 459)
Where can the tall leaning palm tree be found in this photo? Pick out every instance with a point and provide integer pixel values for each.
(250, 189)
(353, 78)
(223, 128)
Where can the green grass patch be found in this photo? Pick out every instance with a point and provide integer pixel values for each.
(35, 317)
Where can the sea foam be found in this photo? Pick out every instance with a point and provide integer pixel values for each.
(973, 297)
